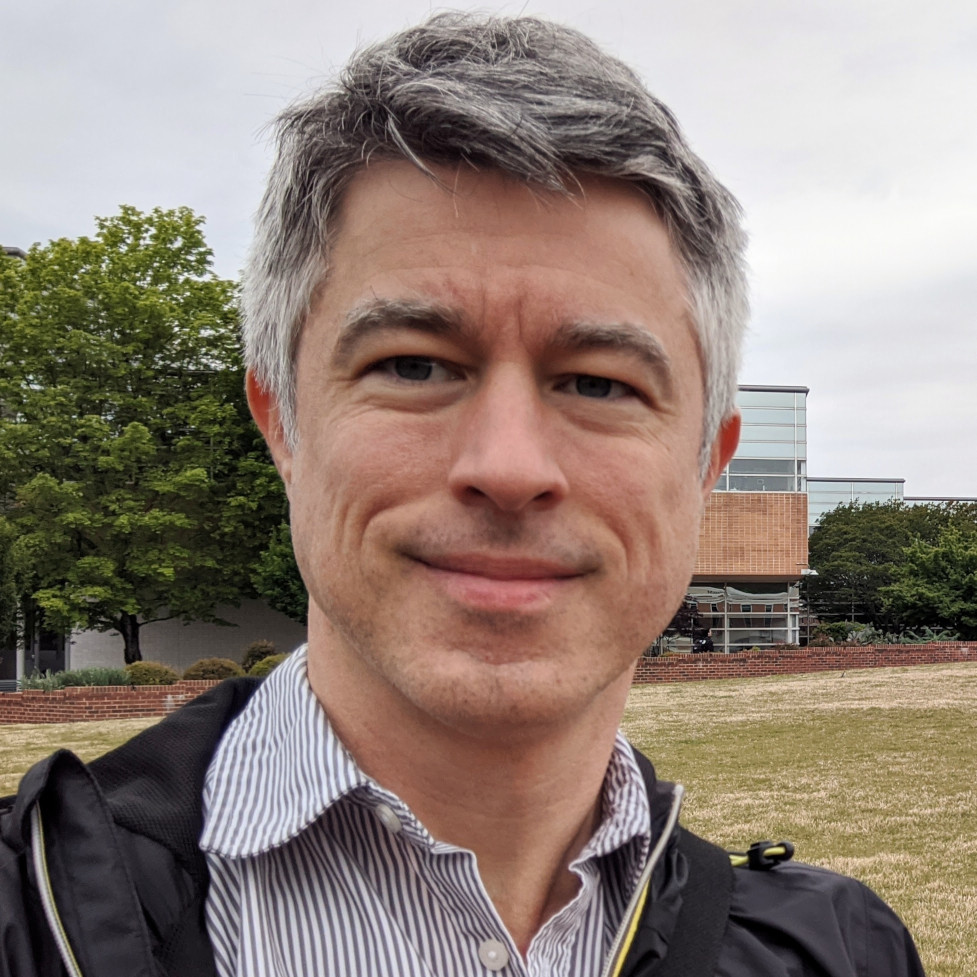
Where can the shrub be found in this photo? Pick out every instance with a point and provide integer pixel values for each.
(50, 681)
(832, 632)
(46, 682)
(261, 668)
(151, 673)
(255, 652)
(218, 668)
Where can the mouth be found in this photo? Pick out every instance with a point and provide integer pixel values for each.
(498, 567)
(502, 583)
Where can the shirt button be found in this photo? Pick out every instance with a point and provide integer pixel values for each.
(388, 817)
(493, 954)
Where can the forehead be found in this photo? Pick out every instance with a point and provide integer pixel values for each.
(481, 245)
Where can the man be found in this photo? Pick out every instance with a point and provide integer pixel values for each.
(492, 321)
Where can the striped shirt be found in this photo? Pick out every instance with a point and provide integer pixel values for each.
(317, 870)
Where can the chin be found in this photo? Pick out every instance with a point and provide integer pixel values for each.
(486, 695)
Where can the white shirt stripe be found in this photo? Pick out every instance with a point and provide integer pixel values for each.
(318, 870)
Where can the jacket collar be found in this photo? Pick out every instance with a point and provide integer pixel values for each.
(154, 782)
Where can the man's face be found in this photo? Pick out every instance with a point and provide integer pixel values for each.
(495, 495)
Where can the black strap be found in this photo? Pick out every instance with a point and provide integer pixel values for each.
(693, 950)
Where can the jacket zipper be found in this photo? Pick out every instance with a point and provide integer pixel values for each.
(47, 895)
(632, 915)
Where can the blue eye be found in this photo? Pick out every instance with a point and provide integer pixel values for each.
(592, 386)
(411, 367)
(599, 388)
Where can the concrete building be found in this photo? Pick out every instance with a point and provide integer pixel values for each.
(180, 645)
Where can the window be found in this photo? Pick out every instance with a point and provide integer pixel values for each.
(761, 466)
(762, 483)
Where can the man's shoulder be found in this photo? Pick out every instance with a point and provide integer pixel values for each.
(813, 920)
(131, 817)
(152, 780)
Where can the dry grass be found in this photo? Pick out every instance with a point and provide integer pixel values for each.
(869, 772)
(22, 745)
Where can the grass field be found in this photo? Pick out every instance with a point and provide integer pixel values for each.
(870, 772)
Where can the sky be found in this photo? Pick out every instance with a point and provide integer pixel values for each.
(847, 128)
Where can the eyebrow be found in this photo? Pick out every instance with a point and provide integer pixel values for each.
(626, 337)
(380, 315)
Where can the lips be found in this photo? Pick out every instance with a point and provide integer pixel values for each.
(498, 567)
(501, 583)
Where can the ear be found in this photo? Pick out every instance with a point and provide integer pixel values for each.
(723, 448)
(264, 410)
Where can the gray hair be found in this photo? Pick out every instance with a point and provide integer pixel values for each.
(534, 99)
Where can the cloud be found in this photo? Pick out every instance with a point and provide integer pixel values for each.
(846, 128)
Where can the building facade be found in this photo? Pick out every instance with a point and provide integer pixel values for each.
(753, 540)
(825, 494)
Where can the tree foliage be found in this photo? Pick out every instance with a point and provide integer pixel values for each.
(862, 549)
(277, 579)
(9, 578)
(136, 485)
(937, 583)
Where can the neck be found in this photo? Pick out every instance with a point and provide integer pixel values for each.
(525, 800)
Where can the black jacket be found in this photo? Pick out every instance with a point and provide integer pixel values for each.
(114, 846)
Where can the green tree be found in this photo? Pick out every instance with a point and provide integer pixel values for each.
(10, 582)
(276, 577)
(936, 586)
(132, 475)
(857, 550)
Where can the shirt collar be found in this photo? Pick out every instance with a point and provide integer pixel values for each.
(280, 766)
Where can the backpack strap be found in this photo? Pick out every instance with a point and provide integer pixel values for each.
(693, 950)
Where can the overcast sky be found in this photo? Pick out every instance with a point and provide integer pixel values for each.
(847, 128)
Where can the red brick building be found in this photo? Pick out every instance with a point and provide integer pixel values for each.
(753, 541)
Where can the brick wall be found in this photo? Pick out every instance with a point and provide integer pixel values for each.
(795, 661)
(753, 534)
(124, 702)
(97, 702)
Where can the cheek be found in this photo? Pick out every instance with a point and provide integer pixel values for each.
(652, 502)
(362, 468)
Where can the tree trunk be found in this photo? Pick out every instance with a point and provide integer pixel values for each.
(129, 629)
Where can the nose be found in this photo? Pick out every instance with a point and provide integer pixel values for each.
(505, 455)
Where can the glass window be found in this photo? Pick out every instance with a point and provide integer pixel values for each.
(877, 488)
(761, 415)
(769, 449)
(765, 398)
(830, 496)
(761, 466)
(762, 483)
(771, 432)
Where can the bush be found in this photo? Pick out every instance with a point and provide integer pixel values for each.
(218, 668)
(50, 681)
(261, 668)
(255, 652)
(833, 632)
(151, 673)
